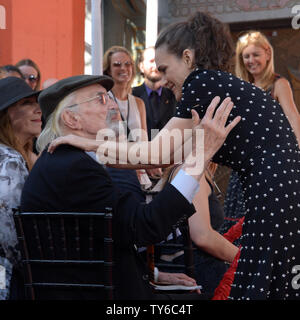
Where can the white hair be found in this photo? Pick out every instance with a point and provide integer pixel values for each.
(54, 126)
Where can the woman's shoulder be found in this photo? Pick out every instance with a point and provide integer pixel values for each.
(8, 152)
(281, 86)
(205, 75)
(281, 81)
(137, 99)
(282, 91)
(139, 102)
(199, 72)
(10, 157)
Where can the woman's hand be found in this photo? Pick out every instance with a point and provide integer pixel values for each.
(76, 141)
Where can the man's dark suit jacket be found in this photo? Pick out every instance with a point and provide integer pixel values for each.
(166, 108)
(69, 180)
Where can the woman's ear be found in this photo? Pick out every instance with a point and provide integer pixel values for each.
(71, 119)
(188, 57)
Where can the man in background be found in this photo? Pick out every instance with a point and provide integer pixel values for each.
(160, 102)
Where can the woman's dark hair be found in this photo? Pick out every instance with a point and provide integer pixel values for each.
(29, 62)
(10, 68)
(8, 138)
(208, 37)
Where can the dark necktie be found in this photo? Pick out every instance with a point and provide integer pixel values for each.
(154, 104)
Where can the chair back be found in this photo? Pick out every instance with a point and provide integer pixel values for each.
(66, 255)
(182, 243)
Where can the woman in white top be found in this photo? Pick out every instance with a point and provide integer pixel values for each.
(118, 64)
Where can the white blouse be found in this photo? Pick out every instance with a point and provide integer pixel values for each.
(131, 114)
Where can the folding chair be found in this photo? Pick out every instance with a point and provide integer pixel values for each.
(66, 255)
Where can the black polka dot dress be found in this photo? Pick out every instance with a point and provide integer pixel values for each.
(263, 150)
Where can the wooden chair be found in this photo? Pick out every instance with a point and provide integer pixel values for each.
(66, 255)
(183, 244)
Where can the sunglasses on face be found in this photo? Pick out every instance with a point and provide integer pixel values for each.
(119, 64)
(31, 78)
(103, 98)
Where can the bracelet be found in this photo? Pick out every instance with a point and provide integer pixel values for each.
(156, 272)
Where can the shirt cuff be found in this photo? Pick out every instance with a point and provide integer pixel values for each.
(187, 185)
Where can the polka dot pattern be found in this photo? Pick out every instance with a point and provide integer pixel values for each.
(262, 149)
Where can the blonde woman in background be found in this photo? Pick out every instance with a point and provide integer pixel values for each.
(255, 64)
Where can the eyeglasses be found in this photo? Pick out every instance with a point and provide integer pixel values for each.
(103, 98)
(31, 78)
(118, 64)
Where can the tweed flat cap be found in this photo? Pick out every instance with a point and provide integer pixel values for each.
(51, 96)
(12, 90)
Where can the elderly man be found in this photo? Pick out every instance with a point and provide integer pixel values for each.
(71, 180)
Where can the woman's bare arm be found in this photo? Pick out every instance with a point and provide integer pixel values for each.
(283, 93)
(166, 147)
(169, 144)
(201, 231)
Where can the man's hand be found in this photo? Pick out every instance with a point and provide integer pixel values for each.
(176, 278)
(215, 131)
(214, 134)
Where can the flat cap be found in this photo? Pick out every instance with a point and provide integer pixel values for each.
(51, 96)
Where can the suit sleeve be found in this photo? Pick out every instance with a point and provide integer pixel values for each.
(134, 222)
(144, 224)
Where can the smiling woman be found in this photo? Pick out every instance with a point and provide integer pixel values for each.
(20, 122)
(255, 63)
(25, 119)
(118, 64)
